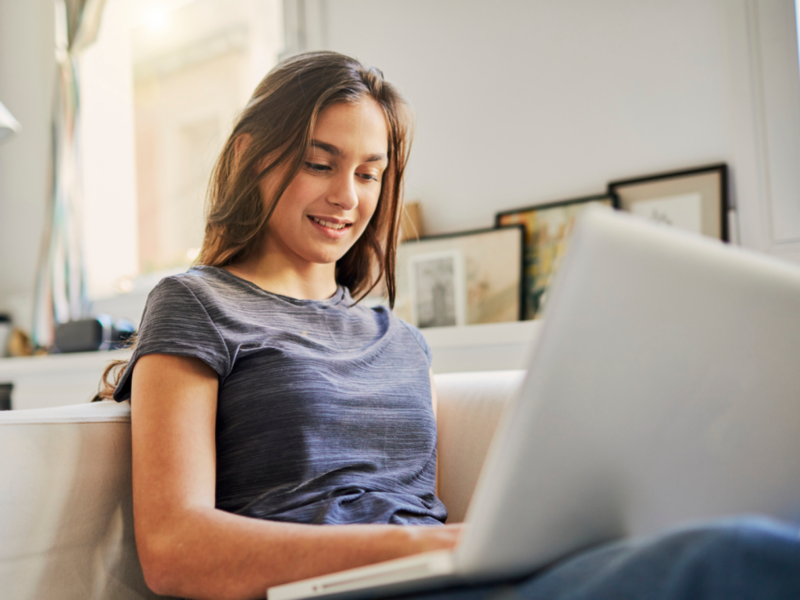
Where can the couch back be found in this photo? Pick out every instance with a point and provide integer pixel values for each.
(66, 520)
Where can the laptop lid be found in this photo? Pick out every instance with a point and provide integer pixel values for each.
(665, 387)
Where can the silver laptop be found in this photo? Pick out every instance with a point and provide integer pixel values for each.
(665, 388)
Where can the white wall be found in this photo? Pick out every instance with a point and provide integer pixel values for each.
(27, 71)
(521, 102)
(518, 102)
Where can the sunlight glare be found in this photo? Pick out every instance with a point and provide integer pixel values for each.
(156, 18)
(123, 285)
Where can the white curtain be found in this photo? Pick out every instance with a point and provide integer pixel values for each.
(60, 294)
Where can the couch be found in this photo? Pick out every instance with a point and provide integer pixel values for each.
(66, 521)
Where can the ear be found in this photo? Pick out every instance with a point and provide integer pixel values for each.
(240, 146)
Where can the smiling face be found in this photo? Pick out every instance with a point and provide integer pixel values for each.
(328, 205)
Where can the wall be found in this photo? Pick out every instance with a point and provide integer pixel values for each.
(27, 71)
(517, 101)
(523, 102)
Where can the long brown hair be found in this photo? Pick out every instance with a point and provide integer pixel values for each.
(279, 121)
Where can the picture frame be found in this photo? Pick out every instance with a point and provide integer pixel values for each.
(694, 199)
(547, 230)
(461, 278)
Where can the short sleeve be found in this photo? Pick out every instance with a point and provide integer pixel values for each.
(175, 322)
(420, 339)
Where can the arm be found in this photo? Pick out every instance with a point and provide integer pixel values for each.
(189, 548)
(435, 403)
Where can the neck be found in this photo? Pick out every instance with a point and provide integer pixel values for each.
(276, 273)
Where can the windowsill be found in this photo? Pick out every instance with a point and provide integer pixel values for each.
(52, 364)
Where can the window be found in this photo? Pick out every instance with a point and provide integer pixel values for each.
(161, 88)
(797, 23)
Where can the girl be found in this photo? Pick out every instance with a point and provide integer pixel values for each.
(267, 401)
(259, 387)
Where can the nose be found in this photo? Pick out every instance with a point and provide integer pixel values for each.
(343, 192)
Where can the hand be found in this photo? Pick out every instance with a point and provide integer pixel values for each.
(425, 538)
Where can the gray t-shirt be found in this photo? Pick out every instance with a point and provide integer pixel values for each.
(324, 410)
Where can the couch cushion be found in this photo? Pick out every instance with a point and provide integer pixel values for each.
(470, 405)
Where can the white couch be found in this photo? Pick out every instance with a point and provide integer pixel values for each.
(66, 523)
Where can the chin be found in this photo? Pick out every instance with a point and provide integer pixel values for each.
(326, 258)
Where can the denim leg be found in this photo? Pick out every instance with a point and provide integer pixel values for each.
(734, 559)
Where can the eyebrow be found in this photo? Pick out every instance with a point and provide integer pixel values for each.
(331, 149)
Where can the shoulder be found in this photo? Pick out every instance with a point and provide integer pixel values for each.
(186, 303)
(200, 281)
(407, 331)
(418, 338)
(180, 319)
(199, 287)
(386, 321)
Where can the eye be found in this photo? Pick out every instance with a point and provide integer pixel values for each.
(317, 168)
(367, 176)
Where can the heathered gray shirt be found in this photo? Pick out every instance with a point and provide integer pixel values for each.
(324, 410)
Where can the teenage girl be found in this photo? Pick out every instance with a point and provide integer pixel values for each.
(266, 401)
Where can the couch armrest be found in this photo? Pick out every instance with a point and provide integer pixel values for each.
(66, 519)
(470, 405)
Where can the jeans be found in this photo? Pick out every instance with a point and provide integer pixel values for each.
(734, 559)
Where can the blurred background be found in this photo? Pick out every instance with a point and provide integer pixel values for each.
(517, 102)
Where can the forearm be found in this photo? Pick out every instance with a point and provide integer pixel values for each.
(208, 553)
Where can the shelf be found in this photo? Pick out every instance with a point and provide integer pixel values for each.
(59, 379)
(58, 363)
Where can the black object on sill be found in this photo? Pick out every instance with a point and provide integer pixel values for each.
(98, 333)
(5, 333)
(5, 395)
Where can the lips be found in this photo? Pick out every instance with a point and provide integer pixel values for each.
(331, 223)
(330, 227)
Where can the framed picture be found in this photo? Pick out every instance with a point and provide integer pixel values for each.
(461, 278)
(437, 289)
(547, 231)
(695, 200)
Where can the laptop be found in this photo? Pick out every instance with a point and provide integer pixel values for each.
(665, 388)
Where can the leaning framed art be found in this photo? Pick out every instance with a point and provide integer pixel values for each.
(547, 231)
(694, 199)
(461, 278)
